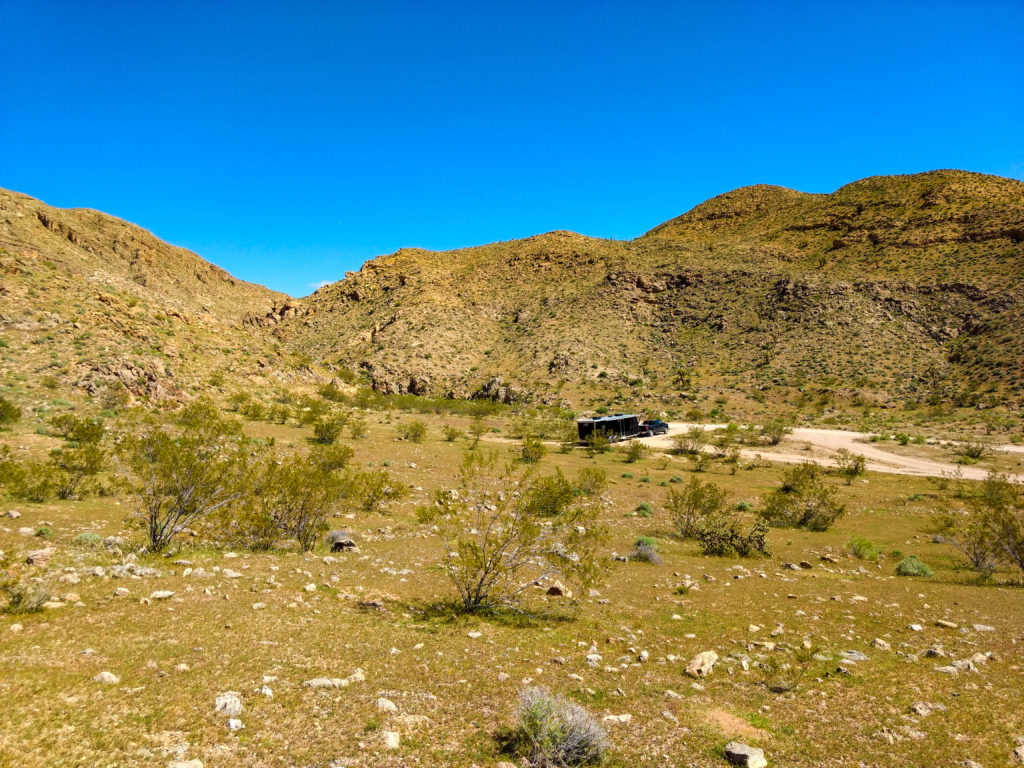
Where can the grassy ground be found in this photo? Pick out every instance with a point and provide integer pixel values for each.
(454, 693)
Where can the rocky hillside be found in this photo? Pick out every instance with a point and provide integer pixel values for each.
(891, 288)
(98, 305)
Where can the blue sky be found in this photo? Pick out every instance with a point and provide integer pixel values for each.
(289, 142)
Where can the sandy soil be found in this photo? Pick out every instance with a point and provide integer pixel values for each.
(806, 444)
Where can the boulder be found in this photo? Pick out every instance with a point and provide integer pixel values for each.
(742, 755)
(228, 704)
(702, 664)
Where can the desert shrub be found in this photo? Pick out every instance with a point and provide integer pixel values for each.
(298, 496)
(327, 430)
(332, 457)
(77, 429)
(783, 670)
(645, 550)
(634, 451)
(451, 434)
(549, 496)
(972, 450)
(532, 450)
(696, 501)
(88, 539)
(863, 549)
(9, 412)
(26, 597)
(849, 465)
(180, 476)
(999, 506)
(970, 532)
(591, 482)
(238, 401)
(279, 413)
(723, 536)
(597, 442)
(556, 733)
(332, 392)
(644, 509)
(499, 543)
(44, 532)
(775, 430)
(375, 489)
(413, 431)
(357, 428)
(76, 465)
(803, 501)
(690, 443)
(911, 566)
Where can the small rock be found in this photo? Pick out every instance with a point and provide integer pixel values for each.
(915, 628)
(474, 635)
(161, 594)
(107, 678)
(702, 664)
(880, 644)
(40, 557)
(391, 739)
(984, 628)
(742, 755)
(196, 763)
(386, 705)
(617, 718)
(13, 514)
(234, 724)
(229, 704)
(945, 624)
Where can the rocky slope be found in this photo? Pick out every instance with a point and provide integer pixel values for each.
(900, 286)
(93, 303)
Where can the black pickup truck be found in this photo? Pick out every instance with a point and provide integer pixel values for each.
(653, 427)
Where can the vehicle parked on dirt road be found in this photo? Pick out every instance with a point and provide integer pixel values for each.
(654, 427)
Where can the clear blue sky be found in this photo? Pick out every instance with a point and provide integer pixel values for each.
(289, 142)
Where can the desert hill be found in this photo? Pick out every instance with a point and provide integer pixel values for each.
(93, 302)
(891, 290)
(891, 287)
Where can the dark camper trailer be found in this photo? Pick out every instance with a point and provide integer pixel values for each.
(621, 426)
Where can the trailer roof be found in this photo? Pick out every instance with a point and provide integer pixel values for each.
(613, 417)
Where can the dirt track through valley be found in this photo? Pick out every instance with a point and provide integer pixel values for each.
(820, 445)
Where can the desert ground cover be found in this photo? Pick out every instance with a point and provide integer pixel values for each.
(361, 658)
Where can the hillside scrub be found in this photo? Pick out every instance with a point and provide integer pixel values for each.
(556, 733)
(9, 412)
(500, 539)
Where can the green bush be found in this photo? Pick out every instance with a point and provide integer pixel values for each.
(690, 505)
(591, 482)
(327, 430)
(26, 597)
(911, 566)
(532, 450)
(644, 509)
(863, 549)
(451, 434)
(44, 532)
(723, 536)
(88, 539)
(803, 501)
(9, 412)
(413, 431)
(634, 451)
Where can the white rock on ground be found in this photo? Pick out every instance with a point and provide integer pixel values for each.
(107, 678)
(702, 664)
(228, 704)
(161, 594)
(196, 763)
(391, 739)
(386, 705)
(744, 756)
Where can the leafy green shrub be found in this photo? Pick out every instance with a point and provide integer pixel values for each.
(591, 482)
(803, 501)
(644, 509)
(849, 465)
(44, 532)
(332, 457)
(634, 451)
(863, 549)
(549, 496)
(690, 442)
(451, 434)
(911, 566)
(326, 431)
(690, 505)
(532, 450)
(556, 733)
(413, 431)
(675, 479)
(723, 536)
(374, 489)
(627, 475)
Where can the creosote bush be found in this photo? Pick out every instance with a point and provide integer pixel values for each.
(803, 501)
(863, 549)
(688, 507)
(413, 431)
(556, 733)
(532, 450)
(504, 530)
(9, 412)
(634, 451)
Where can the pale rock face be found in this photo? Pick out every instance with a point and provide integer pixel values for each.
(391, 739)
(386, 705)
(107, 678)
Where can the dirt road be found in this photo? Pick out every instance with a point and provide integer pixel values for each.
(819, 445)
